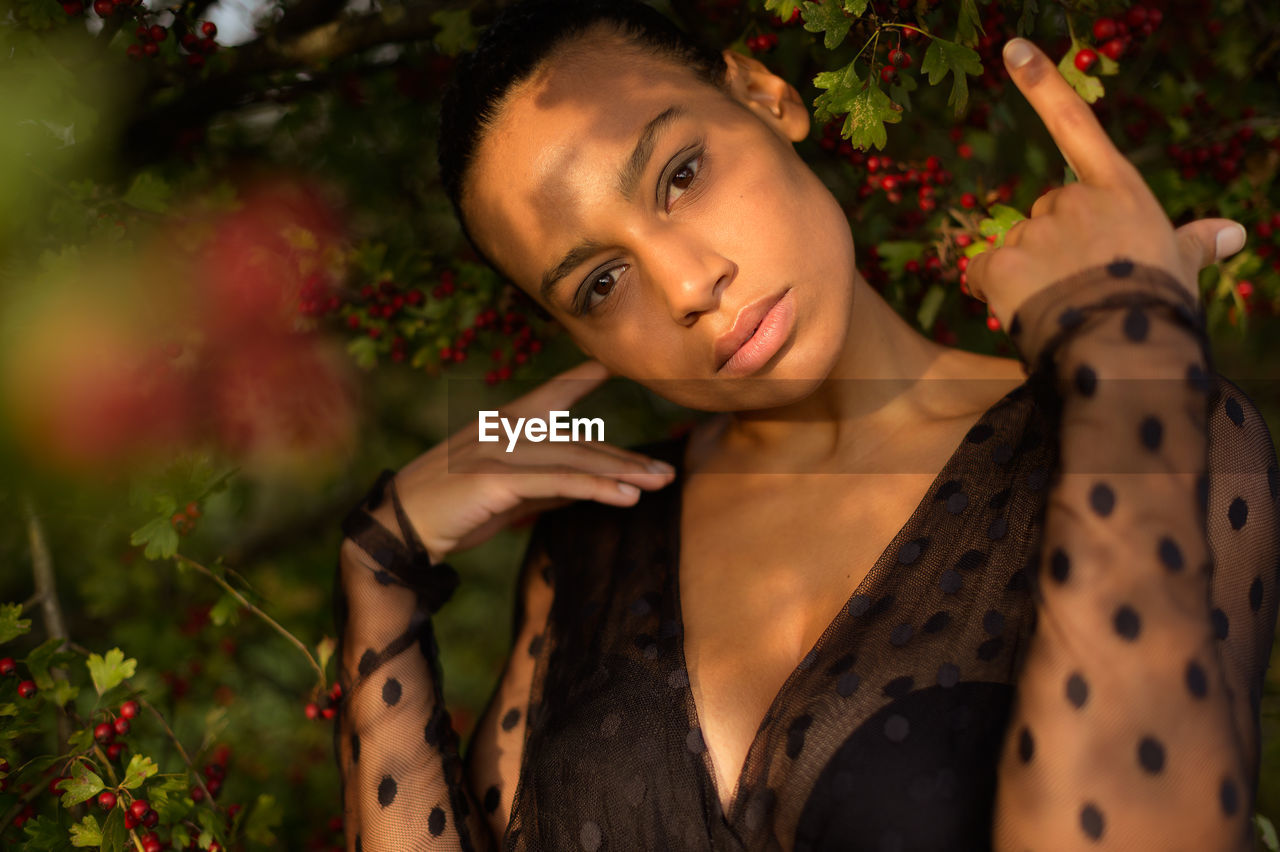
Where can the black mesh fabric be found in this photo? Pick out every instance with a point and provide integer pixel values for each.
(1063, 647)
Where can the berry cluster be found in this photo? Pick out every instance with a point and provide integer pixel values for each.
(393, 314)
(1115, 35)
(9, 668)
(185, 521)
(200, 46)
(330, 705)
(762, 43)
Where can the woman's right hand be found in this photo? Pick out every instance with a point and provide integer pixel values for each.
(461, 492)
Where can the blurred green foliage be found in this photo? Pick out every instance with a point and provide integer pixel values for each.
(104, 152)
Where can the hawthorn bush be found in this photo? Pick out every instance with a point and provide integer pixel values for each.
(233, 291)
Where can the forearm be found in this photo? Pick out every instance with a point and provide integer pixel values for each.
(1127, 727)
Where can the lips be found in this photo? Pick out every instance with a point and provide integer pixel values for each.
(744, 326)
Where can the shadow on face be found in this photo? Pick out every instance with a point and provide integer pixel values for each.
(660, 219)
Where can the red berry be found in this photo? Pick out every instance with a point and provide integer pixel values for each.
(129, 709)
(900, 58)
(207, 46)
(27, 688)
(214, 785)
(193, 510)
(327, 713)
(1136, 16)
(993, 323)
(104, 733)
(1085, 58)
(968, 201)
(115, 750)
(209, 28)
(121, 725)
(151, 819)
(887, 73)
(189, 42)
(197, 794)
(55, 785)
(965, 150)
(7, 666)
(158, 33)
(151, 49)
(138, 808)
(74, 7)
(104, 8)
(130, 822)
(1113, 49)
(312, 710)
(1104, 29)
(106, 800)
(195, 60)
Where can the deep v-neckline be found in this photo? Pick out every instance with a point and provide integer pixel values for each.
(873, 578)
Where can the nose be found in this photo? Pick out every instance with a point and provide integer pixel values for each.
(688, 272)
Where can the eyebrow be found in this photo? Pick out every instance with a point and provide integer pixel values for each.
(627, 179)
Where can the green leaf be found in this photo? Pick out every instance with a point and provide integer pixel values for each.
(1027, 20)
(1003, 217)
(86, 832)
(970, 25)
(148, 192)
(264, 820)
(110, 671)
(44, 835)
(364, 351)
(869, 108)
(159, 536)
(44, 657)
(324, 650)
(40, 14)
(1266, 833)
(929, 306)
(946, 57)
(894, 255)
(856, 7)
(9, 709)
(81, 786)
(1087, 86)
(11, 626)
(225, 611)
(784, 9)
(64, 691)
(827, 16)
(456, 31)
(114, 834)
(140, 769)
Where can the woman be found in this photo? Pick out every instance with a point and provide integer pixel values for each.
(717, 648)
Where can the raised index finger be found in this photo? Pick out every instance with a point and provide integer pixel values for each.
(1083, 142)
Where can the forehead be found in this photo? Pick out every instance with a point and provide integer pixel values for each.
(547, 165)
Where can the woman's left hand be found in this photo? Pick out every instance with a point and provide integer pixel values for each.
(1109, 213)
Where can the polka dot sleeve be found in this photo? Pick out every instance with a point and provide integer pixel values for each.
(405, 786)
(1136, 722)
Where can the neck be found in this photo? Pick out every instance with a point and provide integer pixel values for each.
(871, 386)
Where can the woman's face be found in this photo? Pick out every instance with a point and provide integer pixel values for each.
(645, 209)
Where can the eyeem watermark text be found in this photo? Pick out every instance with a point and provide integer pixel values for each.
(558, 429)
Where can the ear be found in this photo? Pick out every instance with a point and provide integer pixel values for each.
(774, 100)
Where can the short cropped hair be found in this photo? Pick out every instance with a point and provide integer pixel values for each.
(512, 48)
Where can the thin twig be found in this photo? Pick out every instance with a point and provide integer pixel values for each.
(47, 592)
(181, 751)
(268, 619)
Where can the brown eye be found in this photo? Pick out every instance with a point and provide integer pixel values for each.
(603, 285)
(683, 178)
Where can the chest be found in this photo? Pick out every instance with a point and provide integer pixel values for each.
(766, 563)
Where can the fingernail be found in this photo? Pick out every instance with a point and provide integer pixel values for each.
(1017, 52)
(628, 489)
(660, 466)
(1230, 240)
